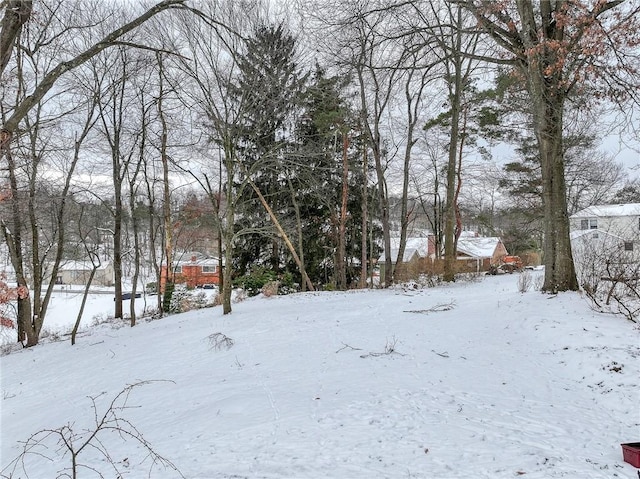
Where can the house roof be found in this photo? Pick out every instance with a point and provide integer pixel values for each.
(197, 260)
(79, 266)
(478, 247)
(468, 244)
(414, 246)
(627, 209)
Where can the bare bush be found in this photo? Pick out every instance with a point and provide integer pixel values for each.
(538, 282)
(217, 300)
(239, 296)
(270, 288)
(524, 281)
(609, 274)
(219, 341)
(74, 446)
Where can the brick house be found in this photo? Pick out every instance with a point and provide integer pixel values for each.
(194, 270)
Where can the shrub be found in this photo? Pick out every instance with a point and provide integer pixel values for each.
(263, 280)
(253, 282)
(525, 281)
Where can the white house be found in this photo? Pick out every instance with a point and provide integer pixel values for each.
(605, 241)
(78, 273)
(619, 220)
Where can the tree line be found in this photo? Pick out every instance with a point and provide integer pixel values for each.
(302, 135)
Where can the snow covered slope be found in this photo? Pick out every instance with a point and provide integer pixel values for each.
(470, 380)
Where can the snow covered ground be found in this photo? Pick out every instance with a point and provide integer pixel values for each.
(469, 380)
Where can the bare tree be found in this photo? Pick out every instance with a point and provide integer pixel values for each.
(210, 71)
(37, 243)
(10, 123)
(446, 25)
(558, 48)
(16, 119)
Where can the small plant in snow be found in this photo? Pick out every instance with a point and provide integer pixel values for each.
(538, 282)
(79, 447)
(179, 300)
(389, 348)
(525, 280)
(219, 341)
(101, 318)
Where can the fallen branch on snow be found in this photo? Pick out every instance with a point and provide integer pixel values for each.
(435, 309)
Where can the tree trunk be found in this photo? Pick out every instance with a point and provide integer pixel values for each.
(16, 14)
(166, 198)
(342, 225)
(560, 272)
(283, 235)
(83, 303)
(365, 213)
(455, 93)
(117, 232)
(296, 208)
(450, 206)
(228, 233)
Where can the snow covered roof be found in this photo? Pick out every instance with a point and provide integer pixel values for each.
(415, 245)
(193, 259)
(628, 209)
(478, 247)
(79, 266)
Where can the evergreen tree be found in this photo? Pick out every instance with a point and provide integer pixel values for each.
(270, 84)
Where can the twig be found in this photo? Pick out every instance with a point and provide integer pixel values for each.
(346, 346)
(435, 309)
(389, 348)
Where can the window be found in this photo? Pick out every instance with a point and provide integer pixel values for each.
(628, 246)
(584, 224)
(209, 269)
(177, 269)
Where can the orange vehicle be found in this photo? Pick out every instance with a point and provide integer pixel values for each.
(512, 263)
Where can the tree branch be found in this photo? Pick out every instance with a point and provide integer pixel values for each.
(11, 124)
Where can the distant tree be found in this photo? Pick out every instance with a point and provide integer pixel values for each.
(629, 193)
(324, 177)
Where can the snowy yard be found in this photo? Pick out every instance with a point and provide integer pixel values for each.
(470, 380)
